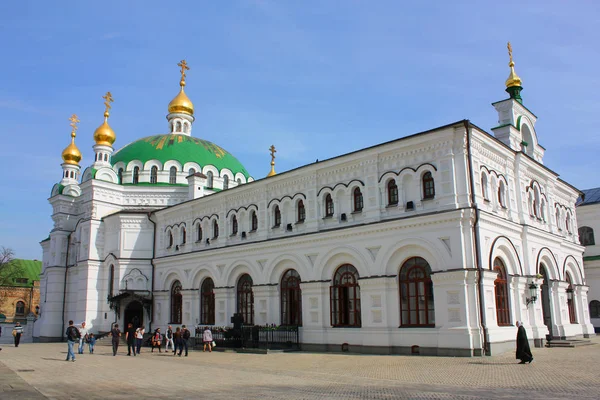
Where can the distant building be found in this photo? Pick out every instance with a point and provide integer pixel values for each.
(439, 241)
(588, 217)
(21, 295)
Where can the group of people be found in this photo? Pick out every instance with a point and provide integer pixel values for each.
(82, 336)
(177, 339)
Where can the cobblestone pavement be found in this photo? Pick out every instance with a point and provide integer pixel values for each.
(35, 371)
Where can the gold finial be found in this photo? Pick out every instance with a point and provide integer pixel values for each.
(104, 135)
(513, 78)
(71, 154)
(184, 67)
(272, 151)
(107, 100)
(74, 121)
(181, 103)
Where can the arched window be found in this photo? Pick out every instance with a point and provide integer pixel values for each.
(344, 296)
(301, 211)
(198, 232)
(501, 291)
(173, 175)
(136, 175)
(225, 182)
(543, 210)
(186, 127)
(501, 194)
(111, 280)
(276, 217)
(291, 298)
(586, 236)
(215, 229)
(328, 205)
(416, 294)
(594, 309)
(428, 186)
(120, 175)
(178, 127)
(253, 221)
(207, 302)
(191, 171)
(392, 192)
(568, 222)
(571, 301)
(105, 157)
(183, 235)
(176, 303)
(72, 175)
(536, 203)
(557, 215)
(358, 200)
(484, 186)
(234, 225)
(245, 299)
(170, 239)
(154, 174)
(20, 308)
(209, 179)
(239, 181)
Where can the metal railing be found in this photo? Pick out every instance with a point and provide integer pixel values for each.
(255, 337)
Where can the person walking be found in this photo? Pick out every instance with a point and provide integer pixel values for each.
(83, 332)
(116, 336)
(17, 332)
(169, 337)
(523, 350)
(207, 339)
(185, 335)
(156, 340)
(130, 339)
(178, 338)
(139, 338)
(72, 334)
(91, 341)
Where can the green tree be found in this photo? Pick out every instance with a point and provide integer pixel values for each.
(8, 272)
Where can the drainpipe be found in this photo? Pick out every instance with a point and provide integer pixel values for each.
(475, 228)
(62, 335)
(153, 269)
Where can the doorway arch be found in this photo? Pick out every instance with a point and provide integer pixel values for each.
(134, 313)
(545, 295)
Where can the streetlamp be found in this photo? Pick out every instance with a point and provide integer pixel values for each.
(532, 293)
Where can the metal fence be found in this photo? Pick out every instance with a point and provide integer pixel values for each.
(255, 337)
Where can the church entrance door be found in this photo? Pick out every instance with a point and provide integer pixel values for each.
(134, 313)
(545, 295)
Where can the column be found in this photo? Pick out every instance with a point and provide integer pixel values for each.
(266, 305)
(224, 305)
(582, 310)
(315, 312)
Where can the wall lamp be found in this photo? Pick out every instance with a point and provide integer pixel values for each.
(533, 288)
(570, 294)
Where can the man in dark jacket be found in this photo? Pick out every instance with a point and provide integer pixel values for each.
(523, 350)
(72, 337)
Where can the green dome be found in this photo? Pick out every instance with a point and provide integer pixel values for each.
(180, 148)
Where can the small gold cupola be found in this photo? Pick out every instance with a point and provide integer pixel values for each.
(513, 83)
(273, 151)
(181, 103)
(104, 135)
(71, 154)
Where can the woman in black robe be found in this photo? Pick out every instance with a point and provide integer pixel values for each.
(523, 350)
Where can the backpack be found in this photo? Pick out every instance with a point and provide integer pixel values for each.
(186, 334)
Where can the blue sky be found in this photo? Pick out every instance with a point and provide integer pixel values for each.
(315, 78)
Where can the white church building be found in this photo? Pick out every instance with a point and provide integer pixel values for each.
(442, 239)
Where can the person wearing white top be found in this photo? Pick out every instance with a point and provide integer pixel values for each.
(139, 338)
(83, 331)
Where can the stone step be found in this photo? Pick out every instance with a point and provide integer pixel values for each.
(569, 343)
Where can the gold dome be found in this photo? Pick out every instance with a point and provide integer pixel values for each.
(104, 135)
(181, 103)
(71, 155)
(513, 78)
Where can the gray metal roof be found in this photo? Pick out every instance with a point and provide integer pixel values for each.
(591, 196)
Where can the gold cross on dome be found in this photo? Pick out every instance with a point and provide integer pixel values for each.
(74, 121)
(107, 100)
(184, 67)
(273, 151)
(509, 47)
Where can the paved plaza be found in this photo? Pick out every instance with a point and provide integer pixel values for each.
(39, 371)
